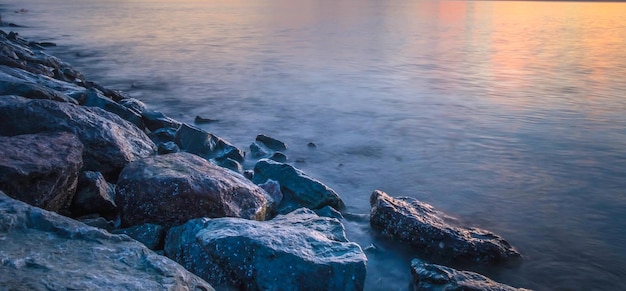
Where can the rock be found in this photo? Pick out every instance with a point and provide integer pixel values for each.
(93, 195)
(271, 143)
(45, 251)
(202, 120)
(278, 157)
(328, 211)
(171, 189)
(197, 141)
(33, 91)
(302, 252)
(155, 120)
(163, 135)
(418, 224)
(93, 98)
(428, 277)
(272, 188)
(299, 190)
(133, 104)
(167, 148)
(311, 145)
(110, 142)
(257, 151)
(230, 164)
(151, 235)
(41, 169)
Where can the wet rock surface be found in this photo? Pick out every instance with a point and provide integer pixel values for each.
(297, 251)
(93, 195)
(299, 190)
(197, 141)
(110, 142)
(429, 277)
(41, 169)
(41, 250)
(418, 224)
(171, 189)
(149, 234)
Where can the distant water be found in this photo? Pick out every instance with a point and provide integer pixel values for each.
(510, 116)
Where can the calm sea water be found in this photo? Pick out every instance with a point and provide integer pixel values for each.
(510, 116)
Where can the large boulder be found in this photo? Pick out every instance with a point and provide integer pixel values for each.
(110, 142)
(95, 98)
(151, 235)
(417, 223)
(297, 251)
(171, 189)
(427, 277)
(299, 190)
(45, 251)
(41, 169)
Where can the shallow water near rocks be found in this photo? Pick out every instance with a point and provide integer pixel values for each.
(510, 116)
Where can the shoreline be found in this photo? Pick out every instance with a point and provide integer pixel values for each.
(169, 136)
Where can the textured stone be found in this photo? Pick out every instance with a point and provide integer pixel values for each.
(149, 234)
(299, 190)
(93, 195)
(171, 189)
(427, 277)
(197, 141)
(41, 250)
(41, 169)
(271, 143)
(110, 142)
(418, 224)
(297, 251)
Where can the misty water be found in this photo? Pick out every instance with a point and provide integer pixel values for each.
(510, 116)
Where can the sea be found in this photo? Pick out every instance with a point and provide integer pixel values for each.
(507, 115)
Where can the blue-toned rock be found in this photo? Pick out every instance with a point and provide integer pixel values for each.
(297, 251)
(93, 195)
(271, 143)
(428, 277)
(197, 141)
(149, 234)
(418, 224)
(299, 190)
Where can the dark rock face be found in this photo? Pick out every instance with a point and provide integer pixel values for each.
(197, 141)
(110, 142)
(299, 190)
(411, 221)
(93, 195)
(302, 252)
(151, 235)
(41, 169)
(171, 189)
(33, 91)
(94, 98)
(271, 143)
(427, 277)
(45, 251)
(156, 119)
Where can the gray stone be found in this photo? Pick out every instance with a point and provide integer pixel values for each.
(230, 164)
(41, 169)
(279, 157)
(171, 189)
(299, 190)
(167, 148)
(45, 251)
(271, 143)
(418, 224)
(110, 142)
(149, 234)
(163, 135)
(135, 105)
(156, 119)
(328, 211)
(197, 141)
(94, 98)
(93, 195)
(297, 251)
(272, 188)
(99, 222)
(33, 91)
(257, 151)
(428, 277)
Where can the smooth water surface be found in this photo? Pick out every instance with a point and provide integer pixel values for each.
(510, 116)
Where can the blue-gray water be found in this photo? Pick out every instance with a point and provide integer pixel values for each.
(510, 116)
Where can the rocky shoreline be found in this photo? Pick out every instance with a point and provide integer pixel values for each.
(90, 177)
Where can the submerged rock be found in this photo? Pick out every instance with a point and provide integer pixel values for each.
(110, 142)
(197, 141)
(93, 195)
(45, 251)
(171, 189)
(417, 223)
(271, 143)
(297, 251)
(41, 169)
(427, 277)
(299, 190)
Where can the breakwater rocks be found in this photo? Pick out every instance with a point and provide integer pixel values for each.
(101, 158)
